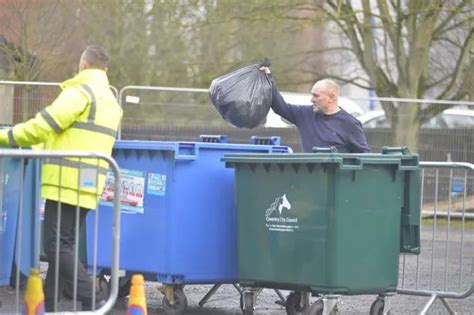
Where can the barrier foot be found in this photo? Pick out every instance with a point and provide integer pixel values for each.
(34, 295)
(137, 298)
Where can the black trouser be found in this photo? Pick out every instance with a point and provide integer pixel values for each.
(66, 253)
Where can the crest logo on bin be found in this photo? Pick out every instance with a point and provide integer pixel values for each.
(278, 205)
(280, 222)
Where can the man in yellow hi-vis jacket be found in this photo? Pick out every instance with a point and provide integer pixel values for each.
(85, 116)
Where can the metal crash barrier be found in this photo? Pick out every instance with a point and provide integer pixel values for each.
(21, 216)
(444, 269)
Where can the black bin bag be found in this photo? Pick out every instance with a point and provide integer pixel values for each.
(242, 97)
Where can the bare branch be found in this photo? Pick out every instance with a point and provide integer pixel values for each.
(461, 61)
(450, 41)
(453, 12)
(465, 90)
(349, 29)
(352, 29)
(385, 46)
(354, 80)
(394, 32)
(453, 27)
(437, 82)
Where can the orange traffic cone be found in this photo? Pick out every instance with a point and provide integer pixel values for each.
(34, 296)
(137, 298)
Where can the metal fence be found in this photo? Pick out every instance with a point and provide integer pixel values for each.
(445, 268)
(166, 113)
(21, 100)
(22, 225)
(169, 113)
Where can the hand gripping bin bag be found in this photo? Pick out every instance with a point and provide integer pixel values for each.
(325, 223)
(178, 211)
(12, 197)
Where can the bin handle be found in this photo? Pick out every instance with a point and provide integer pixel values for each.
(409, 168)
(393, 150)
(358, 163)
(273, 140)
(397, 162)
(354, 164)
(325, 150)
(187, 151)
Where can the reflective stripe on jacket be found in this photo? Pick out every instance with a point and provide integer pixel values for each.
(84, 117)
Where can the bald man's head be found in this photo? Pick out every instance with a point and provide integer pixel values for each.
(324, 96)
(329, 86)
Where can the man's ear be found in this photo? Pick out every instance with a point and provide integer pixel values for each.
(83, 65)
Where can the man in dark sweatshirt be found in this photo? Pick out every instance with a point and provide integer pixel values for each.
(324, 124)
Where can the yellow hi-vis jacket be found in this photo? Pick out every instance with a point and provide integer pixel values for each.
(84, 117)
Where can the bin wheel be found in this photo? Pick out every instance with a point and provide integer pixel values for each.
(180, 303)
(102, 286)
(124, 287)
(246, 302)
(293, 304)
(377, 307)
(316, 308)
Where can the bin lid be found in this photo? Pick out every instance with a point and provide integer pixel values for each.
(184, 150)
(344, 160)
(144, 145)
(175, 145)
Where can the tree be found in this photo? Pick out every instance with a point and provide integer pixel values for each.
(187, 43)
(236, 33)
(146, 39)
(400, 48)
(34, 33)
(407, 49)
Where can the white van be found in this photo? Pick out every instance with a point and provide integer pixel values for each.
(276, 121)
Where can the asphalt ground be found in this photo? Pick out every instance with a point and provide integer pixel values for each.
(226, 300)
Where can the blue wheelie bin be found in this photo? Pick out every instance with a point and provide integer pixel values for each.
(11, 197)
(178, 223)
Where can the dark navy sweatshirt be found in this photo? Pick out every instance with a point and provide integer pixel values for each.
(340, 130)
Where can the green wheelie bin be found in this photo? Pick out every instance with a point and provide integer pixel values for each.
(325, 223)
